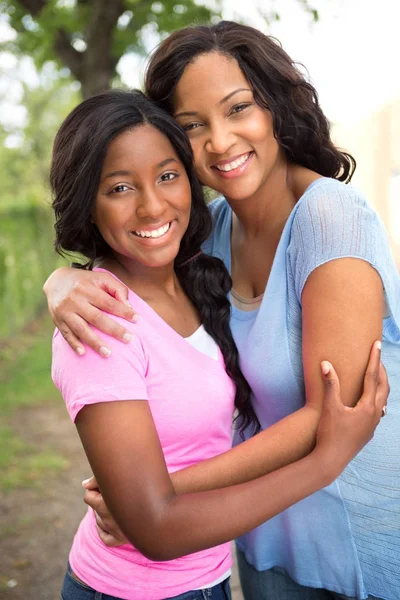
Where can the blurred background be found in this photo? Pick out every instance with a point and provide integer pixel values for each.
(53, 53)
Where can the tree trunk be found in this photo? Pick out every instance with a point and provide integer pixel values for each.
(96, 78)
(94, 68)
(98, 62)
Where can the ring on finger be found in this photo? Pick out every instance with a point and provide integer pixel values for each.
(384, 411)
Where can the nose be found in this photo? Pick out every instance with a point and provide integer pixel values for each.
(152, 204)
(220, 138)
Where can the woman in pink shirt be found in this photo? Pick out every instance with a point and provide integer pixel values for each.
(126, 197)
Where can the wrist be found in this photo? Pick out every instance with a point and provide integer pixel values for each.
(314, 407)
(313, 415)
(326, 465)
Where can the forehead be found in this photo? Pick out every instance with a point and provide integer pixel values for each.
(209, 77)
(143, 144)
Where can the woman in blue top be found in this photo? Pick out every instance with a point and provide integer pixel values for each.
(313, 277)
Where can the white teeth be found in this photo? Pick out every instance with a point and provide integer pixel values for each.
(234, 164)
(156, 233)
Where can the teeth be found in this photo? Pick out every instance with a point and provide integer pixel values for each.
(156, 233)
(234, 164)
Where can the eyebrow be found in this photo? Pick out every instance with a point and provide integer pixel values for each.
(165, 162)
(225, 99)
(117, 173)
(160, 165)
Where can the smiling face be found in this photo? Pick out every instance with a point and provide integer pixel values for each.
(232, 137)
(142, 207)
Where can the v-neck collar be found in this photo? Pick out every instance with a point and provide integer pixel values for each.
(180, 342)
(237, 313)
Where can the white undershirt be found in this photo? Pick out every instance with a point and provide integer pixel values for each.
(203, 342)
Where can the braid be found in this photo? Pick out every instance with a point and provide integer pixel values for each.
(207, 283)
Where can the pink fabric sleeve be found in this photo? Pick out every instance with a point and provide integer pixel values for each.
(91, 378)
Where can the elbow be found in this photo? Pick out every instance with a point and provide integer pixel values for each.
(159, 550)
(158, 540)
(160, 555)
(159, 537)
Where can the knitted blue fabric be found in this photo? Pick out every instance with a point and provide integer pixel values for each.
(346, 537)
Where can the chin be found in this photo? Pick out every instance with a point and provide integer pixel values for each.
(237, 190)
(237, 193)
(158, 262)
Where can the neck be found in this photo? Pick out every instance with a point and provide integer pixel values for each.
(266, 211)
(145, 281)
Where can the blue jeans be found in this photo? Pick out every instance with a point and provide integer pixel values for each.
(274, 584)
(76, 590)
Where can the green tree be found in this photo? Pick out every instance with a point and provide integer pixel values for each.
(26, 221)
(90, 36)
(24, 167)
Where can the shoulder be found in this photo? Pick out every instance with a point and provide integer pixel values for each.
(90, 378)
(218, 208)
(66, 364)
(331, 214)
(329, 197)
(220, 215)
(333, 220)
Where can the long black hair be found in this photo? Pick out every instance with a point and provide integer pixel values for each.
(79, 152)
(300, 126)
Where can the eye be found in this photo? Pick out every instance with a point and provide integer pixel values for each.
(191, 126)
(168, 176)
(120, 188)
(240, 107)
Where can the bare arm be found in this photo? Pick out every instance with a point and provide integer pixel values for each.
(77, 298)
(342, 311)
(342, 305)
(282, 443)
(289, 440)
(141, 496)
(342, 308)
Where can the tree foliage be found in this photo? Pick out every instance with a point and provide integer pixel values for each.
(24, 165)
(90, 36)
(26, 222)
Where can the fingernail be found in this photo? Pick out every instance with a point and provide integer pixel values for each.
(80, 351)
(127, 337)
(325, 367)
(85, 482)
(105, 351)
(128, 303)
(135, 318)
(379, 345)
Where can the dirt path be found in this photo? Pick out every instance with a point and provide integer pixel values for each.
(37, 526)
(40, 523)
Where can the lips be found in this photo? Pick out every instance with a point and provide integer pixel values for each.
(233, 167)
(231, 164)
(152, 233)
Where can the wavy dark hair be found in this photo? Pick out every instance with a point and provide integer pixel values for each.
(300, 126)
(79, 152)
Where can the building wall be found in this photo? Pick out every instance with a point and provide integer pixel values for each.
(375, 144)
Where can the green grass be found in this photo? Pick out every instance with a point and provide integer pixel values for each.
(31, 471)
(26, 260)
(25, 368)
(25, 381)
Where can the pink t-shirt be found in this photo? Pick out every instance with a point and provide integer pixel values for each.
(192, 402)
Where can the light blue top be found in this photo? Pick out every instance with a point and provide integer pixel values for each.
(346, 537)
